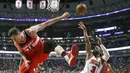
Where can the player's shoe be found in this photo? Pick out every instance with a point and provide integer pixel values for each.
(73, 55)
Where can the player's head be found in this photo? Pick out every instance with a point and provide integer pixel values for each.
(97, 51)
(14, 33)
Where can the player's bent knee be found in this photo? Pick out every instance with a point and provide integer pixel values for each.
(58, 49)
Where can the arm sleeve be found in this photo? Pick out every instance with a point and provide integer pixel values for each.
(106, 54)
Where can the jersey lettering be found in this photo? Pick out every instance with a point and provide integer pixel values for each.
(93, 69)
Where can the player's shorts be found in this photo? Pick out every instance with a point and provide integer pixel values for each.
(49, 46)
(40, 56)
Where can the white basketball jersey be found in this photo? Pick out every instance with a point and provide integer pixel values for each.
(90, 67)
(100, 65)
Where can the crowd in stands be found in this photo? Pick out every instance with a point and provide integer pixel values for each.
(60, 66)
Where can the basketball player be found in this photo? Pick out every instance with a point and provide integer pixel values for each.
(93, 59)
(33, 51)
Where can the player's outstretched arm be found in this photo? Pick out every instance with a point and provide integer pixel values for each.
(106, 54)
(87, 42)
(34, 29)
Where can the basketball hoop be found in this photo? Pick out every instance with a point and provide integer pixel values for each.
(53, 5)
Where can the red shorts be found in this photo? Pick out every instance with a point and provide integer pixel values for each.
(39, 56)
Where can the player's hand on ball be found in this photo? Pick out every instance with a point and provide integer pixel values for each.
(82, 26)
(66, 15)
(27, 63)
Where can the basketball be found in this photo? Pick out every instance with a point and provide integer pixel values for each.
(81, 8)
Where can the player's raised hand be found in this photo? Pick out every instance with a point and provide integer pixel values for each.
(99, 40)
(65, 15)
(81, 25)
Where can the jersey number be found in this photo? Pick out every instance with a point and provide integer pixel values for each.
(93, 69)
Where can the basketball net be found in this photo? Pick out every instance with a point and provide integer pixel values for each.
(53, 5)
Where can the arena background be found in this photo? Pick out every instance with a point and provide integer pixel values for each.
(112, 17)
